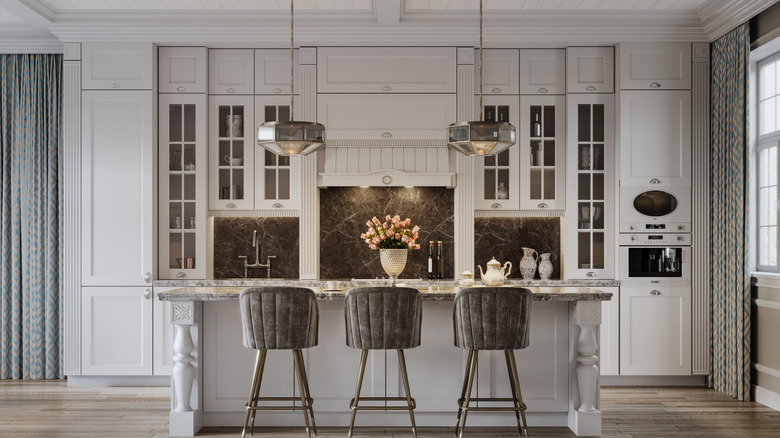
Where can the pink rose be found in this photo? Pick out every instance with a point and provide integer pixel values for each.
(398, 235)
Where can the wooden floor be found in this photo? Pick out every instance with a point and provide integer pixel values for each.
(51, 409)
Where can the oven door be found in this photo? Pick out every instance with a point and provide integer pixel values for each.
(653, 210)
(655, 265)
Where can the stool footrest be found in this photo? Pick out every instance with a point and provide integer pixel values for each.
(309, 403)
(406, 407)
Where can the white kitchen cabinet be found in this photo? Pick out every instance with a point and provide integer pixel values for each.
(655, 331)
(277, 178)
(272, 71)
(386, 70)
(231, 71)
(609, 334)
(231, 152)
(542, 152)
(590, 201)
(118, 183)
(497, 178)
(183, 69)
(655, 138)
(162, 334)
(590, 70)
(117, 65)
(183, 193)
(116, 331)
(655, 66)
(542, 71)
(386, 116)
(500, 71)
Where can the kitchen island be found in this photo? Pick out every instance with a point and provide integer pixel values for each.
(211, 372)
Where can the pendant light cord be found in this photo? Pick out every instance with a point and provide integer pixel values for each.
(481, 108)
(292, 63)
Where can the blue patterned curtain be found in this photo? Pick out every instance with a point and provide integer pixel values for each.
(729, 270)
(30, 243)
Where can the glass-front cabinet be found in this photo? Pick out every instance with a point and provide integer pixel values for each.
(542, 151)
(231, 152)
(183, 172)
(276, 177)
(591, 185)
(497, 182)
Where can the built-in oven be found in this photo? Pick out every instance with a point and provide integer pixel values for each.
(655, 259)
(655, 210)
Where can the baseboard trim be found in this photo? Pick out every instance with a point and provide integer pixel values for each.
(766, 397)
(119, 380)
(652, 380)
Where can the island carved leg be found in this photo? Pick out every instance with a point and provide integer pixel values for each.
(585, 419)
(184, 418)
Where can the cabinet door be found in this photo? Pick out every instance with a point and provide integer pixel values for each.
(116, 331)
(500, 71)
(272, 71)
(115, 65)
(590, 206)
(656, 65)
(609, 334)
(183, 170)
(497, 180)
(117, 184)
(590, 70)
(386, 70)
(277, 178)
(655, 331)
(542, 71)
(655, 138)
(542, 151)
(183, 70)
(231, 71)
(162, 334)
(386, 116)
(231, 152)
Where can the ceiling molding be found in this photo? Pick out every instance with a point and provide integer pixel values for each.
(24, 39)
(720, 17)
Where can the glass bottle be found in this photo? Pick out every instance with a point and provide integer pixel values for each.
(439, 262)
(431, 258)
(537, 126)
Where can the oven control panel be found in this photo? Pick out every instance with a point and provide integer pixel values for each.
(643, 239)
(655, 227)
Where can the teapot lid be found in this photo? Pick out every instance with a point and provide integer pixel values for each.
(493, 262)
(467, 274)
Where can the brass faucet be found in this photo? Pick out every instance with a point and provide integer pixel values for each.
(257, 264)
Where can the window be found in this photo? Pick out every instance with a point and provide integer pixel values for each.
(768, 164)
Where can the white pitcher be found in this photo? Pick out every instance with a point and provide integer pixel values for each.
(545, 266)
(528, 263)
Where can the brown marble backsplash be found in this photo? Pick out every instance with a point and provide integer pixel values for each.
(343, 215)
(278, 236)
(503, 238)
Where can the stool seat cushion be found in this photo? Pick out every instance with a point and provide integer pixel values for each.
(279, 318)
(492, 318)
(383, 318)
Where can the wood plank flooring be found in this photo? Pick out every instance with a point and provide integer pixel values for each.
(44, 409)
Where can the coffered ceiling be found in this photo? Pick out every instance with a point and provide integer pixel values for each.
(547, 23)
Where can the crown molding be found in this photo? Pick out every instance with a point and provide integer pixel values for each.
(720, 17)
(24, 39)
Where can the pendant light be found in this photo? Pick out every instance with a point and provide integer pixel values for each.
(480, 137)
(291, 138)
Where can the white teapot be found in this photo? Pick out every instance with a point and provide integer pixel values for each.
(496, 274)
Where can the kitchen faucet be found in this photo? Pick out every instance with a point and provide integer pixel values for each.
(257, 264)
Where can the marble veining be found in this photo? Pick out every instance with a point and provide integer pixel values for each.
(278, 236)
(504, 237)
(343, 215)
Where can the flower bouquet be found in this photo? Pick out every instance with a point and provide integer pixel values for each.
(393, 238)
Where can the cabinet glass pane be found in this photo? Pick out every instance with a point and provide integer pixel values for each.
(189, 187)
(583, 186)
(175, 123)
(503, 158)
(598, 123)
(583, 156)
(175, 158)
(489, 114)
(549, 152)
(583, 215)
(536, 184)
(583, 123)
(537, 153)
(188, 218)
(502, 190)
(224, 183)
(174, 187)
(270, 183)
(548, 121)
(237, 188)
(598, 156)
(598, 215)
(174, 213)
(189, 122)
(270, 159)
(490, 161)
(502, 112)
(490, 184)
(284, 184)
(549, 183)
(598, 250)
(583, 250)
(598, 186)
(189, 157)
(175, 251)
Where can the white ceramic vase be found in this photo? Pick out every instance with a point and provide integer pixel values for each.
(393, 262)
(545, 266)
(528, 263)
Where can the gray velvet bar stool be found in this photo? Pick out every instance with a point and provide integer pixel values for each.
(279, 318)
(383, 318)
(492, 318)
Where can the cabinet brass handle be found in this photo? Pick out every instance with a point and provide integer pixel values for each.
(590, 88)
(277, 205)
(590, 274)
(147, 278)
(655, 292)
(655, 85)
(495, 205)
(115, 85)
(387, 179)
(231, 90)
(231, 205)
(495, 90)
(277, 90)
(541, 205)
(655, 181)
(542, 90)
(180, 88)
(180, 275)
(387, 135)
(148, 294)
(386, 88)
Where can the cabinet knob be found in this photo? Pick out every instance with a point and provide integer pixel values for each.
(680, 227)
(655, 85)
(180, 88)
(495, 205)
(387, 135)
(231, 205)
(277, 205)
(541, 205)
(277, 90)
(591, 274)
(590, 88)
(386, 88)
(495, 90)
(631, 227)
(148, 294)
(115, 85)
(387, 179)
(542, 91)
(655, 292)
(181, 275)
(147, 278)
(633, 238)
(655, 181)
(679, 238)
(231, 90)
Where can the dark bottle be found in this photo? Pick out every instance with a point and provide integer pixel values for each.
(439, 262)
(431, 262)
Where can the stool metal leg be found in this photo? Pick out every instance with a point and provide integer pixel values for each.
(354, 403)
(309, 400)
(465, 406)
(515, 401)
(257, 377)
(402, 362)
(463, 389)
(516, 383)
(297, 360)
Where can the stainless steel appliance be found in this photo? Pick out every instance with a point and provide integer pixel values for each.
(655, 259)
(657, 210)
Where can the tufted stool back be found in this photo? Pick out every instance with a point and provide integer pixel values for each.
(383, 318)
(279, 317)
(492, 318)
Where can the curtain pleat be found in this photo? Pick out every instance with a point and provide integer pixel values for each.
(30, 242)
(729, 267)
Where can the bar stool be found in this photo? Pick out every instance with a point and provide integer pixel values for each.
(492, 318)
(279, 318)
(383, 318)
